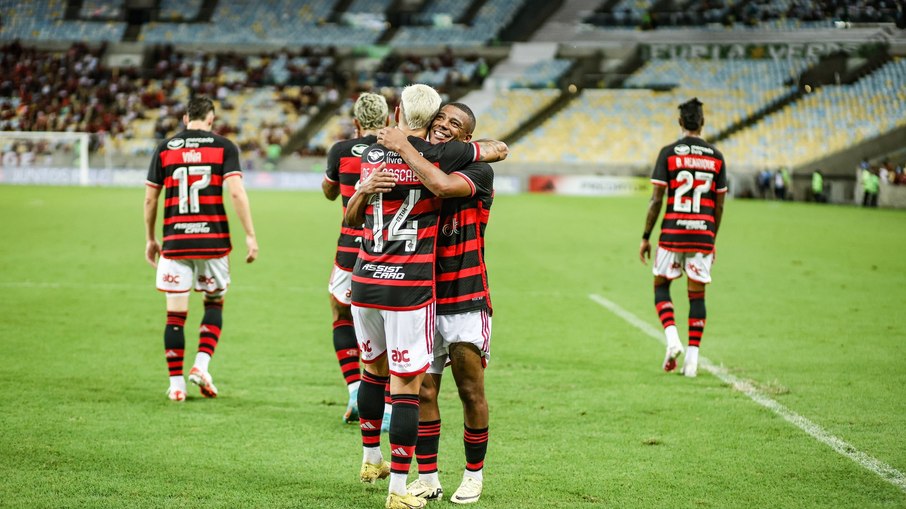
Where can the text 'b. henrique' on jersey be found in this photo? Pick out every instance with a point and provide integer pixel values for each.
(191, 167)
(462, 276)
(395, 266)
(344, 165)
(694, 173)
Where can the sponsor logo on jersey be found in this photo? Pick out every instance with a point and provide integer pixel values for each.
(176, 144)
(358, 150)
(698, 149)
(692, 224)
(376, 156)
(193, 227)
(385, 271)
(195, 142)
(681, 150)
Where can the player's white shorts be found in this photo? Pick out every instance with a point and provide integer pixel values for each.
(672, 264)
(209, 275)
(471, 327)
(407, 337)
(340, 285)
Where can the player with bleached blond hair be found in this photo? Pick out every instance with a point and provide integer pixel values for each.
(393, 293)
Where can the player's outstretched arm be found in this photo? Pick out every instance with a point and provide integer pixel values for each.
(243, 210)
(654, 210)
(379, 181)
(152, 247)
(441, 184)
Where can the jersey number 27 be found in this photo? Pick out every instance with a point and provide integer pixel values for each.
(686, 180)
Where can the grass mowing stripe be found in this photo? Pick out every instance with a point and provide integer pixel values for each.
(883, 470)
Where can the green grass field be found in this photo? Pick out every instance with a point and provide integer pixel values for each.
(807, 305)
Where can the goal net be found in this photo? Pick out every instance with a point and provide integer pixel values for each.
(44, 157)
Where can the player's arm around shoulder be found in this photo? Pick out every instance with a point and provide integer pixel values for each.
(437, 181)
(491, 151)
(243, 210)
(377, 181)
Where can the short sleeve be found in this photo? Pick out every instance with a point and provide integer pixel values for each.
(333, 164)
(660, 175)
(156, 170)
(720, 182)
(480, 177)
(231, 165)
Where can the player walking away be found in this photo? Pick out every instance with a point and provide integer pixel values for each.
(192, 167)
(393, 285)
(463, 303)
(344, 162)
(695, 175)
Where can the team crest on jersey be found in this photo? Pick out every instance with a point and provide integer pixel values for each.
(681, 150)
(358, 150)
(176, 144)
(376, 156)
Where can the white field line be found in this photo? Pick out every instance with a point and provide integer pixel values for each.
(883, 470)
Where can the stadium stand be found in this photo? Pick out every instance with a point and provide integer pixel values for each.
(44, 20)
(830, 119)
(490, 19)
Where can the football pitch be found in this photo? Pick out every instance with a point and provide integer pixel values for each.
(803, 403)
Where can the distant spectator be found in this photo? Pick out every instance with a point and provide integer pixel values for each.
(818, 187)
(764, 182)
(780, 184)
(870, 184)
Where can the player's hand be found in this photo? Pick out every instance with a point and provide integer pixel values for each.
(645, 251)
(152, 252)
(379, 181)
(252, 244)
(392, 138)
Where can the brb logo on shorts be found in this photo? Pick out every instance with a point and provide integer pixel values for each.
(365, 346)
(400, 356)
(172, 279)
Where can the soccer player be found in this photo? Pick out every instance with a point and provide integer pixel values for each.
(463, 303)
(192, 167)
(695, 175)
(393, 284)
(344, 162)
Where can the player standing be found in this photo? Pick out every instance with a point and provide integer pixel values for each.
(463, 303)
(695, 174)
(192, 167)
(393, 285)
(344, 161)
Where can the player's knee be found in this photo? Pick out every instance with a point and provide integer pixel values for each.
(471, 393)
(427, 394)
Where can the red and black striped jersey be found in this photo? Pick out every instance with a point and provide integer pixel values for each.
(462, 276)
(191, 167)
(395, 266)
(694, 173)
(344, 163)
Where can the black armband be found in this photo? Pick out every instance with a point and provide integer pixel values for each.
(646, 235)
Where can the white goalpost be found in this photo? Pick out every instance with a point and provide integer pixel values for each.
(43, 151)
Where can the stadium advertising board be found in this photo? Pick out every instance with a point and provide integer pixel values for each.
(589, 185)
(776, 51)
